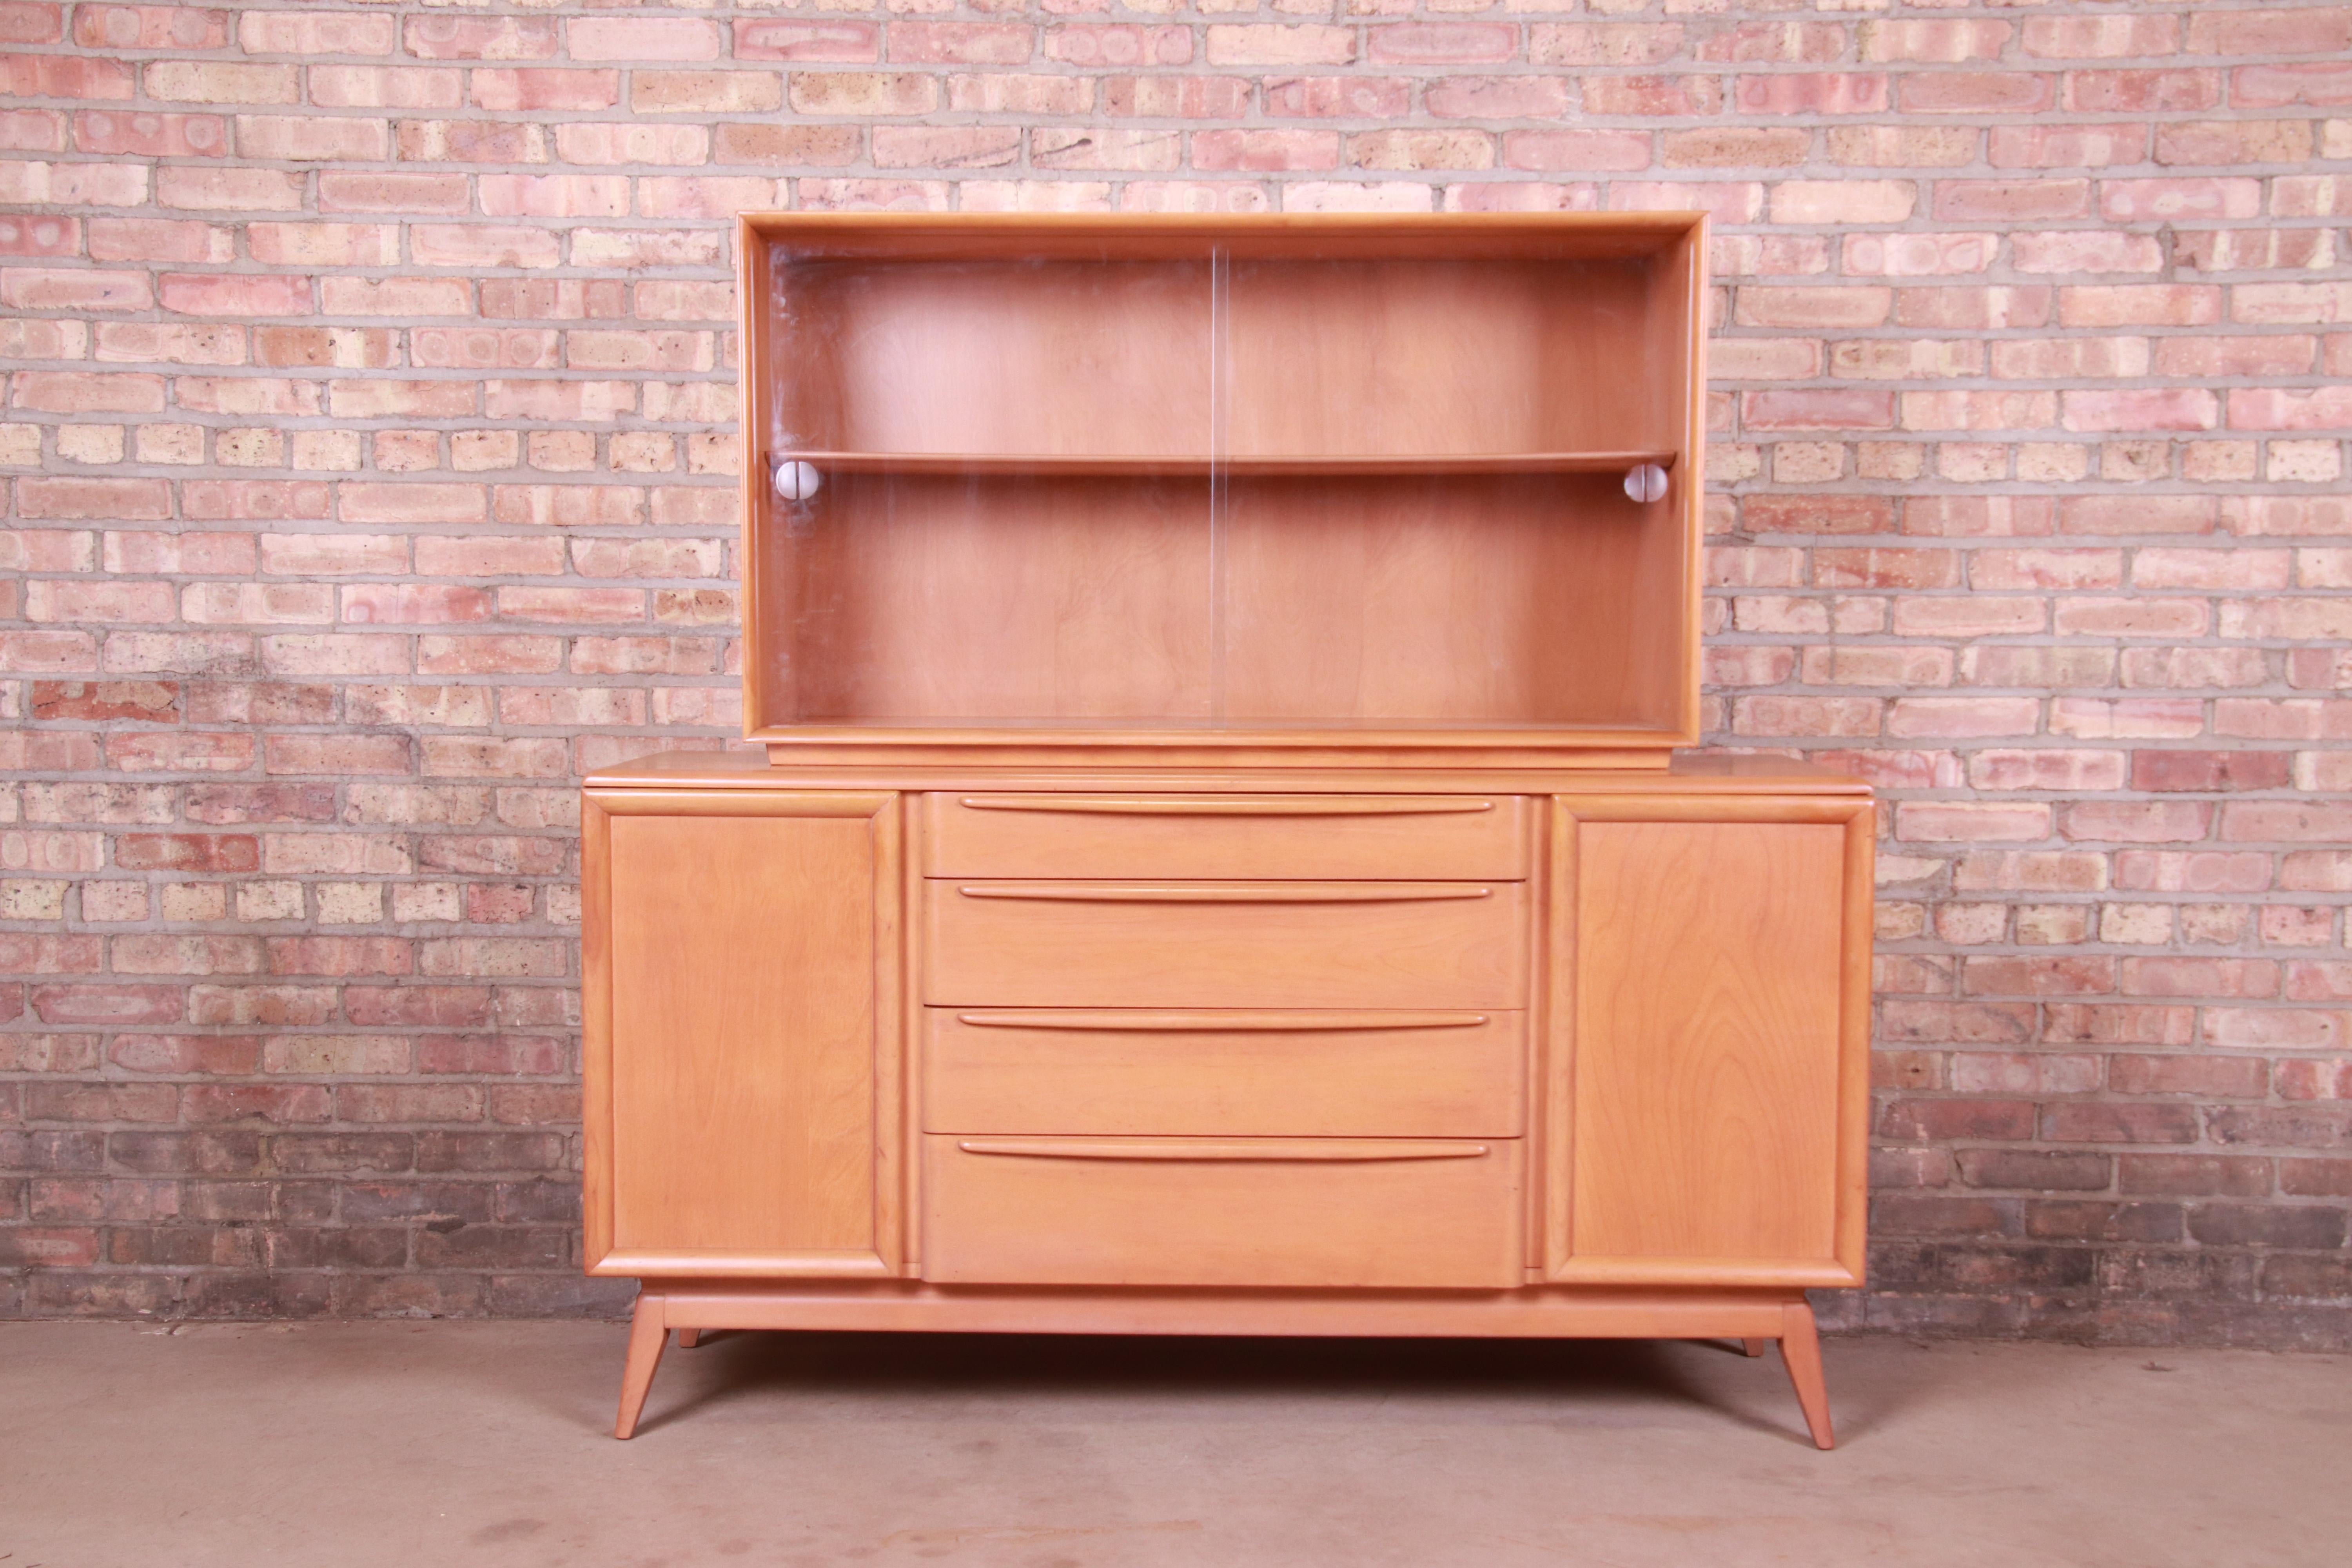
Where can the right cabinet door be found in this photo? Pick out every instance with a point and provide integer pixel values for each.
(1708, 1055)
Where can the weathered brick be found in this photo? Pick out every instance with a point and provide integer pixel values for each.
(2026, 437)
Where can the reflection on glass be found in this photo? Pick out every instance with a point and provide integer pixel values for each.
(1222, 484)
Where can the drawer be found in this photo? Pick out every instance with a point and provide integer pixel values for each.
(1285, 1074)
(1373, 837)
(1224, 944)
(1165, 1211)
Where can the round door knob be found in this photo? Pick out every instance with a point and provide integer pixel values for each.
(796, 480)
(1646, 482)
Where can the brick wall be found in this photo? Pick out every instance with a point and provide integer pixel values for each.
(367, 454)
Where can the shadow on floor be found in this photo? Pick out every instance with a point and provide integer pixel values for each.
(1564, 1376)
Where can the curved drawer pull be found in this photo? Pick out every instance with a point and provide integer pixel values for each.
(1295, 1151)
(1239, 1023)
(1232, 805)
(1231, 893)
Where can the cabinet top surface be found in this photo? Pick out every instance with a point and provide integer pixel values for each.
(940, 235)
(1702, 775)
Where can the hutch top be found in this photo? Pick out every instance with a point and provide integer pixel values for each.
(1343, 490)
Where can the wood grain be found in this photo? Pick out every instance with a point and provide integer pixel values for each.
(647, 1336)
(1068, 834)
(1310, 465)
(1223, 1217)
(1509, 600)
(1372, 354)
(1083, 236)
(1707, 1055)
(1020, 544)
(1547, 1313)
(926, 598)
(1698, 780)
(743, 963)
(1195, 602)
(1221, 1074)
(1800, 1349)
(1076, 358)
(1235, 944)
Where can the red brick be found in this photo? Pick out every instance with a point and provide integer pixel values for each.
(1939, 42)
(1820, 409)
(2075, 1123)
(32, 21)
(34, 235)
(1444, 43)
(2139, 729)
(1821, 93)
(1494, 98)
(66, 76)
(446, 38)
(2319, 83)
(1264, 150)
(177, 27)
(2186, 196)
(118, 132)
(636, 39)
(974, 43)
(1942, 1120)
(783, 38)
(2137, 91)
(2101, 38)
(2073, 975)
(1975, 92)
(219, 294)
(77, 290)
(2200, 977)
(196, 852)
(1576, 150)
(2325, 30)
(2209, 771)
(1818, 514)
(2194, 1175)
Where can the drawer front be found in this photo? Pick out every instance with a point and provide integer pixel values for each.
(1299, 1212)
(1233, 944)
(1221, 1074)
(1297, 836)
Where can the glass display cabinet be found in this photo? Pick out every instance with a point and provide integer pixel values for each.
(1218, 864)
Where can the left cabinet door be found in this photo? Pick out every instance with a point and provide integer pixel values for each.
(741, 1011)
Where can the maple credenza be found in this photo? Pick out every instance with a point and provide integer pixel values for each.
(1577, 1054)
(1216, 868)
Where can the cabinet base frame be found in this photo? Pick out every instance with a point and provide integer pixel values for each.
(693, 1307)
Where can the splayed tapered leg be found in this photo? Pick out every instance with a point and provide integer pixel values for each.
(648, 1335)
(1801, 1348)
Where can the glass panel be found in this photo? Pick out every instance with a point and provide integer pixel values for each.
(996, 504)
(942, 597)
(1424, 521)
(1476, 600)
(1393, 357)
(1010, 359)
(1147, 484)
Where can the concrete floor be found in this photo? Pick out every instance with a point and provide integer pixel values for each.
(352, 1446)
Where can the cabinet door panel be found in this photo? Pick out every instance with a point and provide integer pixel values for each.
(1712, 1050)
(745, 1014)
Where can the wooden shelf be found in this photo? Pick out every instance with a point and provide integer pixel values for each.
(1049, 465)
(1234, 486)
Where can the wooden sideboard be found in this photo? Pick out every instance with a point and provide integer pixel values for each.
(1216, 868)
(1406, 1054)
